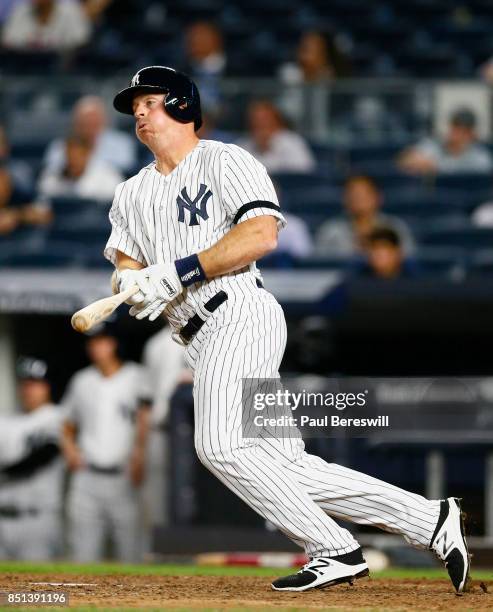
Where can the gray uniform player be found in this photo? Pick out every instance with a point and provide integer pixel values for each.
(188, 229)
(105, 436)
(31, 470)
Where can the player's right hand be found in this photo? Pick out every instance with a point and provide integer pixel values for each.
(73, 458)
(128, 278)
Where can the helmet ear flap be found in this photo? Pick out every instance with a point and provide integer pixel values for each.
(180, 108)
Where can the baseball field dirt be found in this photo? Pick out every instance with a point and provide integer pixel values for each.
(230, 592)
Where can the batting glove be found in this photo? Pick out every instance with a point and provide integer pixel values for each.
(160, 284)
(128, 278)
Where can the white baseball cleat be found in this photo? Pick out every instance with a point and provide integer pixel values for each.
(321, 572)
(449, 543)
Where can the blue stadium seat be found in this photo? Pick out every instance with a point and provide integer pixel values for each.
(387, 176)
(441, 262)
(93, 237)
(482, 263)
(38, 260)
(345, 264)
(69, 206)
(467, 237)
(24, 237)
(465, 182)
(289, 181)
(315, 198)
(48, 254)
(370, 153)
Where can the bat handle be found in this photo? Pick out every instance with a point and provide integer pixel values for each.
(124, 295)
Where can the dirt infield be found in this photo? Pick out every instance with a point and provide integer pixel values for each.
(235, 592)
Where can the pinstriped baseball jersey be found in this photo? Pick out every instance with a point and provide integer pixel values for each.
(158, 219)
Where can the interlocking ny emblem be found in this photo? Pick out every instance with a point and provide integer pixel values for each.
(135, 80)
(197, 206)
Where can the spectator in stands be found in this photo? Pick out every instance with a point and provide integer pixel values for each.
(94, 9)
(482, 216)
(206, 59)
(16, 189)
(297, 240)
(90, 122)
(47, 25)
(460, 151)
(385, 256)
(82, 176)
(6, 7)
(21, 173)
(348, 236)
(272, 143)
(318, 60)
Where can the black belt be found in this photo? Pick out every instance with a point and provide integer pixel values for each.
(14, 512)
(109, 471)
(189, 330)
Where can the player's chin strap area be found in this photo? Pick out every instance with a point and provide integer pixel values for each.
(189, 330)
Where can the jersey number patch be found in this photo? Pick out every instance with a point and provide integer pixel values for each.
(196, 207)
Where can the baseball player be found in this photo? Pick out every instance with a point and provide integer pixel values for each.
(104, 440)
(31, 470)
(187, 229)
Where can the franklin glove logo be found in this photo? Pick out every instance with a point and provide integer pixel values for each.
(168, 287)
(196, 207)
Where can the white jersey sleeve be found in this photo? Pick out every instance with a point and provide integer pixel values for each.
(248, 191)
(121, 238)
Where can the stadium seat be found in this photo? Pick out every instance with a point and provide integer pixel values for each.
(346, 264)
(470, 238)
(465, 182)
(289, 181)
(69, 206)
(482, 263)
(441, 262)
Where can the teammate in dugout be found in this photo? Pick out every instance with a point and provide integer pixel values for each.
(31, 469)
(104, 442)
(187, 229)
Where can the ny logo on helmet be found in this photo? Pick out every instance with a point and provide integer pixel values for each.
(136, 79)
(196, 207)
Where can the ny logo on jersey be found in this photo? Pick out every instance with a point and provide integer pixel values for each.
(197, 206)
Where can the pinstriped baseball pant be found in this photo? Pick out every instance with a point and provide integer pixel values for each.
(299, 493)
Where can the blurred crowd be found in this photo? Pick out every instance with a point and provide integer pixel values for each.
(93, 158)
(250, 39)
(219, 41)
(87, 479)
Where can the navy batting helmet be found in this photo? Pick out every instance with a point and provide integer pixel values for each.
(31, 368)
(182, 101)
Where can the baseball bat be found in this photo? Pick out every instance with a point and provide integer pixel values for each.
(86, 318)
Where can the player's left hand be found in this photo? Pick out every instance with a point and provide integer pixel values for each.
(160, 285)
